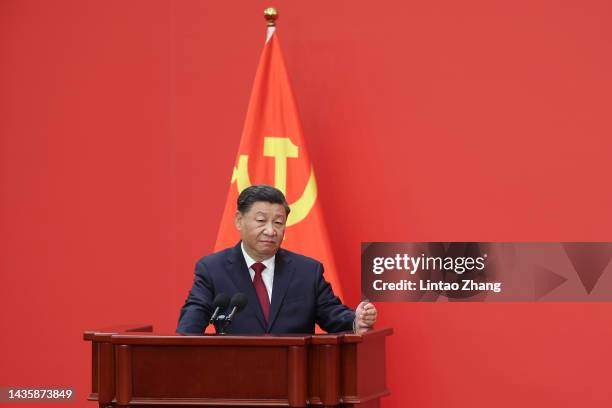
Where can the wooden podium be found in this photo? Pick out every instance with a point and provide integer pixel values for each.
(132, 366)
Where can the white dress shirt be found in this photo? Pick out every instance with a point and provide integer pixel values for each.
(267, 275)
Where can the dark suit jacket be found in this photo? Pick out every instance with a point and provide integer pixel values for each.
(301, 296)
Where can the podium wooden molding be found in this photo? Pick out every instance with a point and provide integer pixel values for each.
(133, 366)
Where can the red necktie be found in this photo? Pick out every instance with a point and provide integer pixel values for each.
(260, 289)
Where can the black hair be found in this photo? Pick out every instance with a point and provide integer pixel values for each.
(261, 192)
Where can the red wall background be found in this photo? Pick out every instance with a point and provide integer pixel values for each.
(440, 120)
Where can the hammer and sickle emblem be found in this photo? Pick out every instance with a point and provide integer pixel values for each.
(280, 148)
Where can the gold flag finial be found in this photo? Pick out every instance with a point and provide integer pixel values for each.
(271, 15)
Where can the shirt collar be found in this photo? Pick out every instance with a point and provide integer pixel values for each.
(269, 263)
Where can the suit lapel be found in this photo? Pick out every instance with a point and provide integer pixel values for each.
(283, 272)
(239, 274)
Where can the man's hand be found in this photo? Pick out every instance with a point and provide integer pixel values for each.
(365, 317)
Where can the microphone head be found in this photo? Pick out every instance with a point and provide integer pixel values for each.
(221, 301)
(239, 301)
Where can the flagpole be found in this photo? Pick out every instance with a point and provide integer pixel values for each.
(270, 14)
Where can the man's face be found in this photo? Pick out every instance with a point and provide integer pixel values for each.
(262, 229)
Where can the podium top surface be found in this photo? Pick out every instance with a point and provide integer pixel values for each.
(144, 335)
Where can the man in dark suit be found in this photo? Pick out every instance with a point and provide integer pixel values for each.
(286, 292)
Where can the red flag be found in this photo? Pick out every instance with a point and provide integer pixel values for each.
(272, 151)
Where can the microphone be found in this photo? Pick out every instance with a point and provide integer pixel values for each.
(219, 304)
(239, 301)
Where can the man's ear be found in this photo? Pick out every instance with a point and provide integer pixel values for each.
(238, 220)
